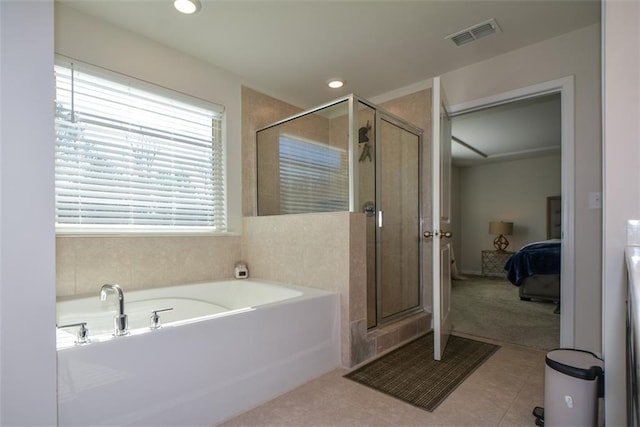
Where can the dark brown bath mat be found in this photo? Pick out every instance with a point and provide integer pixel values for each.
(410, 373)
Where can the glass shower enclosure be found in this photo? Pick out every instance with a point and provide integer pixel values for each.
(350, 155)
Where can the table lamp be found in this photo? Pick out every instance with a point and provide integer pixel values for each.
(500, 228)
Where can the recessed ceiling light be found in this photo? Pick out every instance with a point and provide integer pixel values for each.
(335, 83)
(187, 6)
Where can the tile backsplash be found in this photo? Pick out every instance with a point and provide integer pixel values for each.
(84, 264)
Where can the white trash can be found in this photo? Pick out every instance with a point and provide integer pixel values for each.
(573, 382)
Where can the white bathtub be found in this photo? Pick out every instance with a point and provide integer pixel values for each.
(224, 348)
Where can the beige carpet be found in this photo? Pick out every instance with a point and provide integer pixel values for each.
(491, 308)
(411, 375)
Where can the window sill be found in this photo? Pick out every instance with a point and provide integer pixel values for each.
(96, 232)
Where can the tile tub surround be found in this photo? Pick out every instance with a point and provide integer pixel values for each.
(326, 251)
(314, 250)
(84, 264)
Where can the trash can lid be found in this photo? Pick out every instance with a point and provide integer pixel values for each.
(576, 363)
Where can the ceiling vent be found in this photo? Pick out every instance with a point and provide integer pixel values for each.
(474, 33)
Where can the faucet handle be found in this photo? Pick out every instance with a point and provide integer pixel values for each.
(120, 325)
(155, 318)
(82, 336)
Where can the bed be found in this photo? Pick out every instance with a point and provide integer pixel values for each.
(535, 269)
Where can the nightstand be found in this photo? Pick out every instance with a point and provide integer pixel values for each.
(493, 262)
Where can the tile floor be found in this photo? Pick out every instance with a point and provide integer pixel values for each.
(501, 392)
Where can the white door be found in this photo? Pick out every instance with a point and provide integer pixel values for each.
(441, 227)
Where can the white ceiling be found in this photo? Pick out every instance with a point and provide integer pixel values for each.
(517, 130)
(289, 49)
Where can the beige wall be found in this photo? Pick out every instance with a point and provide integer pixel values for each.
(578, 54)
(84, 263)
(366, 193)
(324, 251)
(315, 128)
(622, 186)
(573, 54)
(124, 52)
(569, 58)
(416, 109)
(456, 214)
(399, 182)
(258, 110)
(299, 249)
(514, 191)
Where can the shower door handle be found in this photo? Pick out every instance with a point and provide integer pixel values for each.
(369, 208)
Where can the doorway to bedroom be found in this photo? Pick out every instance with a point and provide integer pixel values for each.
(506, 196)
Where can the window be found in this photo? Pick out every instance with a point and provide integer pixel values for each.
(130, 156)
(313, 177)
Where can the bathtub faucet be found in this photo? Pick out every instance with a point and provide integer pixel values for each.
(121, 323)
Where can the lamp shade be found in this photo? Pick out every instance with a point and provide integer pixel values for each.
(500, 227)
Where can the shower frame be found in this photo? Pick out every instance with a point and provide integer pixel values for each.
(354, 201)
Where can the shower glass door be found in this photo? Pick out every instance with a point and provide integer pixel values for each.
(398, 219)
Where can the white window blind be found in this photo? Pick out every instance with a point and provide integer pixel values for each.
(313, 177)
(132, 157)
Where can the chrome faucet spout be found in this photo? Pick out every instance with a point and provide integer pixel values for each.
(117, 291)
(121, 324)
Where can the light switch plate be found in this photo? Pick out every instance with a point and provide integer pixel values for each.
(595, 200)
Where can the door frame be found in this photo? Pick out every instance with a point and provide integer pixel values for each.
(380, 116)
(440, 224)
(565, 87)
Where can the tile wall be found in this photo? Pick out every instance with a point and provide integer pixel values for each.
(416, 109)
(326, 251)
(258, 110)
(84, 264)
(317, 250)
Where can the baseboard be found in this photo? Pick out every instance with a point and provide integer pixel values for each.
(471, 273)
